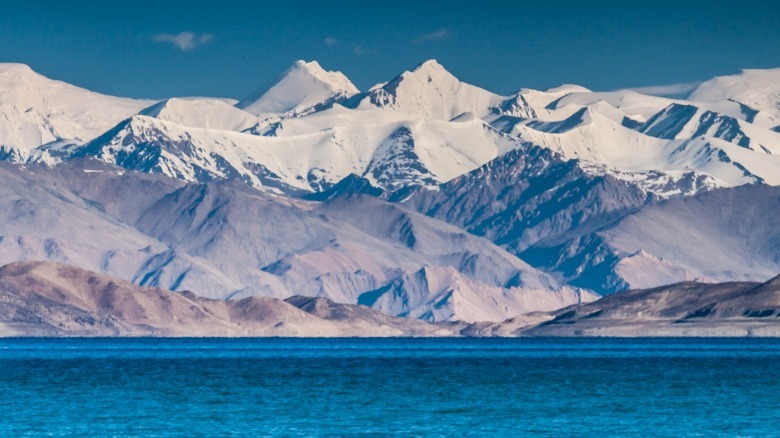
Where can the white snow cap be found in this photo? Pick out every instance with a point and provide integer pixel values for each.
(300, 87)
(758, 89)
(35, 110)
(430, 91)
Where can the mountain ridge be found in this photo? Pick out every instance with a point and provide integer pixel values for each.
(51, 299)
(424, 196)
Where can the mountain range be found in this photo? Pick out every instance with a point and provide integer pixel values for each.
(685, 309)
(421, 197)
(52, 299)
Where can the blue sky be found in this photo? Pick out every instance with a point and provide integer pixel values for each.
(228, 49)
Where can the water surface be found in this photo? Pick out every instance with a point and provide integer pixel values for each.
(505, 387)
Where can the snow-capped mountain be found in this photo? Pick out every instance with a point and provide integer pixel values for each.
(303, 88)
(715, 145)
(35, 111)
(391, 153)
(428, 92)
(628, 132)
(423, 196)
(757, 90)
(426, 127)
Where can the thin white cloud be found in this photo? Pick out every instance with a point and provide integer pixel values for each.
(668, 90)
(184, 41)
(331, 41)
(437, 35)
(360, 50)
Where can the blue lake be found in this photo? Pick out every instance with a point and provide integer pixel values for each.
(425, 387)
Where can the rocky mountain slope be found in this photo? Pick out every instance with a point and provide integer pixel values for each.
(51, 299)
(226, 240)
(681, 309)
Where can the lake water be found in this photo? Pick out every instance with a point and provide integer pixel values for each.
(424, 387)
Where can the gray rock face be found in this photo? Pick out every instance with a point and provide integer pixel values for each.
(668, 122)
(604, 234)
(396, 165)
(529, 201)
(51, 299)
(526, 195)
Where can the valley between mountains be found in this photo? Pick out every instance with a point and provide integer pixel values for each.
(423, 206)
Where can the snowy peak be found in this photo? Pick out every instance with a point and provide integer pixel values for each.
(11, 69)
(517, 106)
(424, 127)
(302, 88)
(26, 90)
(430, 70)
(430, 91)
(758, 89)
(19, 75)
(35, 110)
